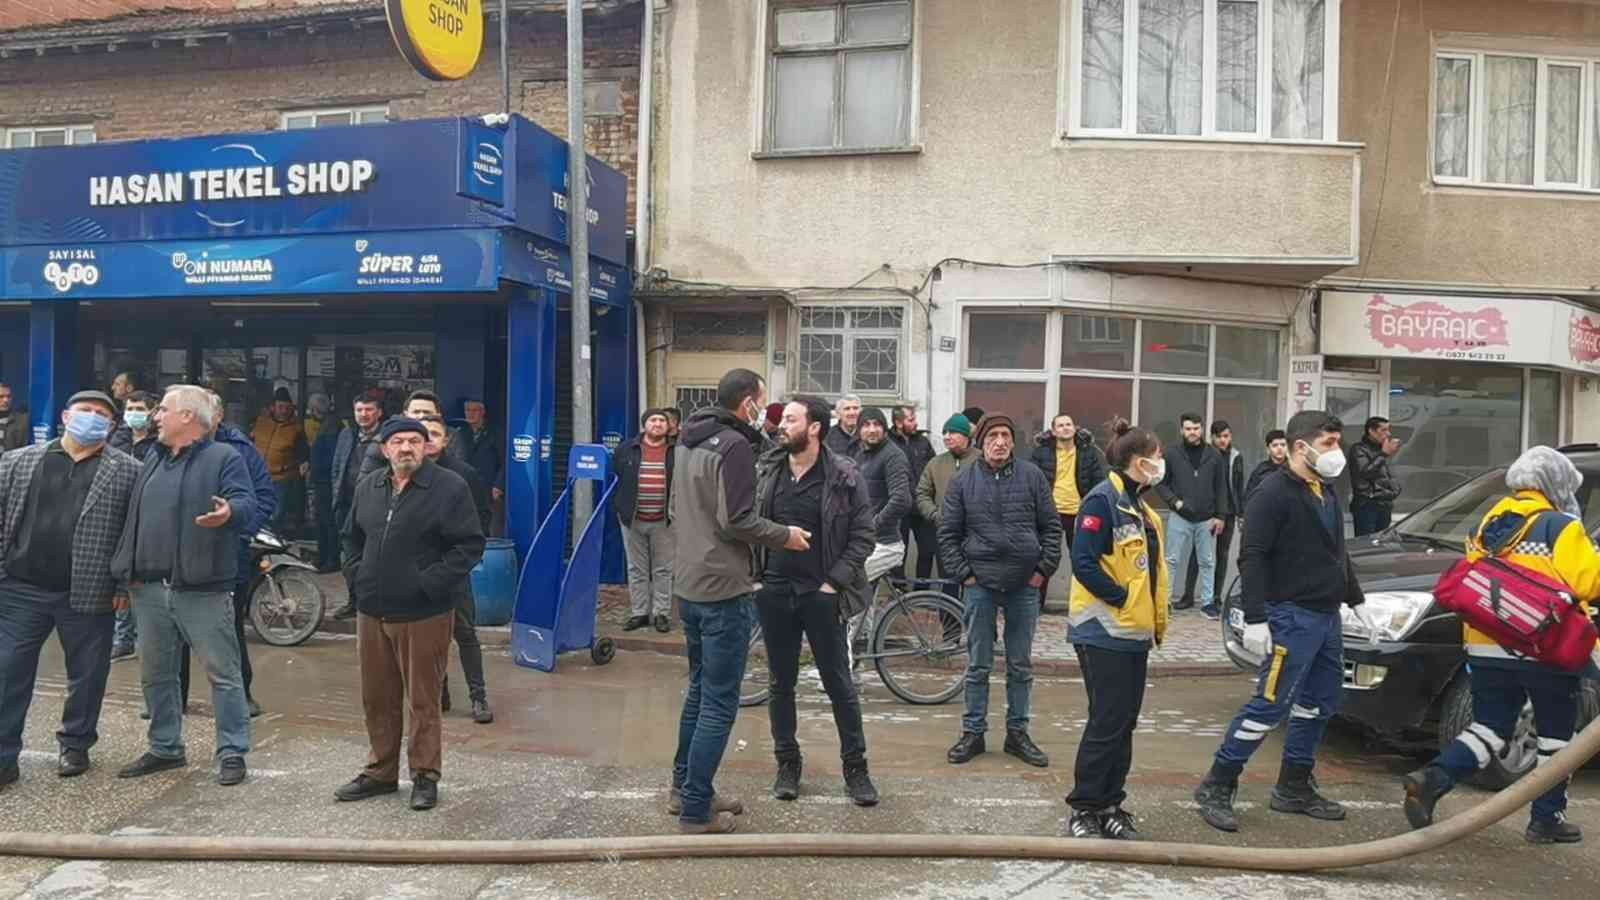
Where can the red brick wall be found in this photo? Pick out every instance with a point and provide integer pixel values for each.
(246, 85)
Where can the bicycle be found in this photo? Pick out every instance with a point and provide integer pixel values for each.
(918, 644)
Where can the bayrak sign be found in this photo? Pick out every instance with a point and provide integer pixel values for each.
(1515, 330)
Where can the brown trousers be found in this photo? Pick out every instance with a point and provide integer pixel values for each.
(403, 665)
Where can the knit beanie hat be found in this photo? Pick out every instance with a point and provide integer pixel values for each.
(959, 424)
(873, 414)
(993, 421)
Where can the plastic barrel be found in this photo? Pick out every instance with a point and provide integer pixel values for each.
(494, 582)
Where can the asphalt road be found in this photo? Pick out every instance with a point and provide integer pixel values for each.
(586, 751)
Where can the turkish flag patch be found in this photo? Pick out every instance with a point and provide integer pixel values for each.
(1090, 523)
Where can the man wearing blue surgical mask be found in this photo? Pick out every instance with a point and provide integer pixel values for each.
(62, 509)
(138, 431)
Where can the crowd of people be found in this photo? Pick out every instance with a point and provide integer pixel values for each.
(787, 514)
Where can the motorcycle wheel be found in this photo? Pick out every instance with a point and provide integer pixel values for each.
(286, 607)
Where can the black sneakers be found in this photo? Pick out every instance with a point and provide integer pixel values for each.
(1553, 831)
(1215, 797)
(859, 785)
(1085, 823)
(970, 745)
(1296, 792)
(787, 785)
(481, 713)
(635, 623)
(661, 624)
(72, 763)
(1021, 746)
(1117, 824)
(230, 771)
(1424, 787)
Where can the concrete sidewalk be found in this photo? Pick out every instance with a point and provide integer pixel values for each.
(1193, 646)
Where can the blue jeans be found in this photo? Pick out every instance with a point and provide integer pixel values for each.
(27, 616)
(1021, 608)
(1301, 678)
(168, 619)
(127, 629)
(1182, 537)
(1370, 518)
(718, 637)
(1498, 694)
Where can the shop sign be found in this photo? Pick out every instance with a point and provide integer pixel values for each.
(1428, 326)
(1583, 339)
(483, 163)
(522, 447)
(1482, 329)
(442, 39)
(1305, 383)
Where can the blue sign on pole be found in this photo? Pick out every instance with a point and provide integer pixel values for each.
(482, 175)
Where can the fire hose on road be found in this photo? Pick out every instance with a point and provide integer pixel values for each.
(329, 850)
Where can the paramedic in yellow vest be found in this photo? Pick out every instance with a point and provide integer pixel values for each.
(280, 438)
(1118, 612)
(1540, 528)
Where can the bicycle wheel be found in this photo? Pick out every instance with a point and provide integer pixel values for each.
(920, 648)
(755, 690)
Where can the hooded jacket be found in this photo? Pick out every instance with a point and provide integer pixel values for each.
(1091, 466)
(999, 526)
(845, 540)
(713, 509)
(282, 444)
(888, 478)
(1525, 529)
(935, 481)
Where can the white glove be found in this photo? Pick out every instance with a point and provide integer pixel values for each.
(1258, 639)
(1365, 617)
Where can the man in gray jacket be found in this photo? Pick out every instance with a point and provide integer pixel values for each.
(715, 519)
(179, 556)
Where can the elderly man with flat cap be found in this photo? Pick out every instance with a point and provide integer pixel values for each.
(62, 508)
(412, 539)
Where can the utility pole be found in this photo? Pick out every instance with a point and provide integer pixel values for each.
(505, 57)
(578, 244)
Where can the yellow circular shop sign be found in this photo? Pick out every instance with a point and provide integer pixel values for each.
(442, 39)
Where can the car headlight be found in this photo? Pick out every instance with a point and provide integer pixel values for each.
(1397, 613)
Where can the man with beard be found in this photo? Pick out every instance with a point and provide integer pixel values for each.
(919, 452)
(413, 537)
(280, 438)
(814, 591)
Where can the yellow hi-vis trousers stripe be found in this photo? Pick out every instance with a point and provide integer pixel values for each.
(1279, 654)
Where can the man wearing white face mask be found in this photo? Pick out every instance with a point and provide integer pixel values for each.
(1296, 574)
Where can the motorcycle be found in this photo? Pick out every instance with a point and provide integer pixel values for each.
(286, 602)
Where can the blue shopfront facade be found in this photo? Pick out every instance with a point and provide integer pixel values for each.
(343, 261)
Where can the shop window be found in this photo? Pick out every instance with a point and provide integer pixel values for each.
(1247, 353)
(720, 331)
(327, 118)
(56, 136)
(1094, 403)
(1210, 69)
(1454, 419)
(1022, 401)
(1251, 412)
(839, 76)
(1544, 409)
(851, 349)
(1515, 120)
(1005, 341)
(1099, 343)
(1162, 403)
(1176, 348)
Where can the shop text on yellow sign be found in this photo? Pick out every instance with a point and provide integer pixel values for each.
(442, 39)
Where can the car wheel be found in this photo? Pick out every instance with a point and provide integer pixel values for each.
(1514, 761)
(1233, 634)
(1588, 711)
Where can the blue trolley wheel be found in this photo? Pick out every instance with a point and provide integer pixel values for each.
(603, 651)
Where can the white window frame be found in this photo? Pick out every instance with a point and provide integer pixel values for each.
(1588, 143)
(354, 112)
(69, 133)
(767, 54)
(850, 333)
(1071, 56)
(1052, 373)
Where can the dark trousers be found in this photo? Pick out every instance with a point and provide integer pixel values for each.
(785, 616)
(1370, 517)
(327, 526)
(1218, 584)
(241, 611)
(1300, 680)
(27, 616)
(927, 536)
(466, 635)
(1498, 695)
(1114, 680)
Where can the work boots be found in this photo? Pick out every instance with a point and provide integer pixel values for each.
(970, 745)
(1553, 831)
(1296, 792)
(859, 785)
(719, 804)
(1424, 787)
(1021, 746)
(1215, 797)
(787, 785)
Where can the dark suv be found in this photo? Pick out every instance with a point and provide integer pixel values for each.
(1409, 683)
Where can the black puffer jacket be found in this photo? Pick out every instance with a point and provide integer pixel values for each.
(999, 526)
(919, 452)
(1091, 462)
(1370, 478)
(845, 539)
(888, 477)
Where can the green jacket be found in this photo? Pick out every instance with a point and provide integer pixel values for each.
(935, 481)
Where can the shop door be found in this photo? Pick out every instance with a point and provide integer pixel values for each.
(1354, 400)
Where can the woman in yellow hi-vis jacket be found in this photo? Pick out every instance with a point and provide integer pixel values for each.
(1540, 528)
(1118, 612)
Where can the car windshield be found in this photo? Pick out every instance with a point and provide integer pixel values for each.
(1452, 517)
